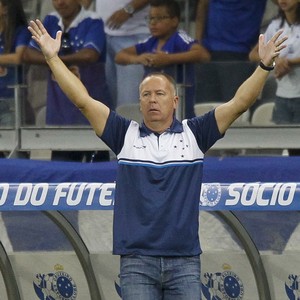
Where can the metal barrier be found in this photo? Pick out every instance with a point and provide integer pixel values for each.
(84, 257)
(38, 196)
(81, 251)
(251, 251)
(8, 276)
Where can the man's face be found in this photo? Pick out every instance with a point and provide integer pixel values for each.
(66, 8)
(158, 100)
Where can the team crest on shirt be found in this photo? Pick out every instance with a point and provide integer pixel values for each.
(211, 194)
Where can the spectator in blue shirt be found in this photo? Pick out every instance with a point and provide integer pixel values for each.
(228, 30)
(83, 50)
(14, 38)
(167, 50)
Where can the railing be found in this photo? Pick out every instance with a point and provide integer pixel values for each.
(258, 222)
(22, 138)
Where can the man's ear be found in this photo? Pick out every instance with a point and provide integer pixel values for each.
(176, 101)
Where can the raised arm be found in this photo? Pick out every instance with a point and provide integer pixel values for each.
(95, 111)
(249, 91)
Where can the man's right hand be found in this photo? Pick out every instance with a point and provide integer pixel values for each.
(48, 45)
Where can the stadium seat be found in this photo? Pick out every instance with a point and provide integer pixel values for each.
(130, 111)
(262, 116)
(202, 108)
(36, 92)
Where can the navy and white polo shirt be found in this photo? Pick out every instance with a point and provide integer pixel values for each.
(158, 184)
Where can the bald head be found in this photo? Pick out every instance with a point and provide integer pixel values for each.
(165, 77)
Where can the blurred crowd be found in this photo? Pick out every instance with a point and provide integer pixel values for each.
(110, 45)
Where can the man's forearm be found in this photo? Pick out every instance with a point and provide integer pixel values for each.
(249, 91)
(244, 97)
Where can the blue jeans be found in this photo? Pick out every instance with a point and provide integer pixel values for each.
(123, 81)
(286, 111)
(160, 278)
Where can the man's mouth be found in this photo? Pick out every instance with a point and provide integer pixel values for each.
(153, 110)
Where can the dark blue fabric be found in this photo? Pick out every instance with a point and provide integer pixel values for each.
(251, 169)
(19, 170)
(33, 231)
(260, 225)
(216, 169)
(12, 74)
(233, 25)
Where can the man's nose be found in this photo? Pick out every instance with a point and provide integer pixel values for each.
(153, 98)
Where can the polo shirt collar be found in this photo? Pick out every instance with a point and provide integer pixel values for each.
(176, 127)
(79, 18)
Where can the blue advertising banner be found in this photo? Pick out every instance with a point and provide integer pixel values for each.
(266, 196)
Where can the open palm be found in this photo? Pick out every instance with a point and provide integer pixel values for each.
(48, 45)
(270, 50)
